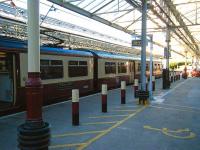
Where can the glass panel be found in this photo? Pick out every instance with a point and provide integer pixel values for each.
(56, 62)
(73, 62)
(110, 67)
(83, 63)
(77, 71)
(44, 62)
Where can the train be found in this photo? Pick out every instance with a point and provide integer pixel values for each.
(61, 71)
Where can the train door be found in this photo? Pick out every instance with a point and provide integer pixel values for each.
(132, 70)
(7, 80)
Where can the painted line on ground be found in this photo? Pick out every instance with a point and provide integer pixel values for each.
(66, 145)
(76, 134)
(123, 110)
(108, 116)
(159, 98)
(174, 133)
(181, 106)
(90, 141)
(184, 110)
(99, 123)
(126, 106)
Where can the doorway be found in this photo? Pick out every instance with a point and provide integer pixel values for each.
(7, 80)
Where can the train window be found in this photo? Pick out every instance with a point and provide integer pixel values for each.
(77, 68)
(44, 62)
(110, 67)
(73, 63)
(56, 62)
(51, 69)
(122, 67)
(83, 63)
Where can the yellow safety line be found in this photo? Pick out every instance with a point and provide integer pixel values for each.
(126, 106)
(81, 147)
(109, 116)
(124, 110)
(75, 134)
(193, 108)
(171, 133)
(97, 123)
(184, 110)
(66, 145)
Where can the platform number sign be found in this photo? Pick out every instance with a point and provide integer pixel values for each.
(136, 42)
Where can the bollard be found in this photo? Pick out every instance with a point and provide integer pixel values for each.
(171, 77)
(75, 107)
(123, 92)
(174, 76)
(147, 84)
(136, 88)
(153, 83)
(104, 98)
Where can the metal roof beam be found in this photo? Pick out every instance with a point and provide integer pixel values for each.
(87, 14)
(103, 6)
(177, 15)
(116, 11)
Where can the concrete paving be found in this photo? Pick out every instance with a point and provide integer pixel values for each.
(170, 122)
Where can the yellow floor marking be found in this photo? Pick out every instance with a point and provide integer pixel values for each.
(122, 110)
(173, 133)
(194, 108)
(184, 110)
(75, 134)
(126, 106)
(66, 145)
(97, 123)
(109, 116)
(81, 147)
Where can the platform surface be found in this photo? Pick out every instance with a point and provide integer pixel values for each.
(170, 122)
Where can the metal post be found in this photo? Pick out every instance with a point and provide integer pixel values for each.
(34, 129)
(143, 93)
(143, 52)
(168, 47)
(151, 69)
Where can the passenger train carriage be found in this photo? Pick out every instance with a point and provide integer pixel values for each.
(61, 71)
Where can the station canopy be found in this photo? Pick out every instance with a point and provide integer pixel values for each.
(112, 24)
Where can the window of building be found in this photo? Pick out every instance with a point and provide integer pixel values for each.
(122, 67)
(77, 68)
(110, 67)
(51, 69)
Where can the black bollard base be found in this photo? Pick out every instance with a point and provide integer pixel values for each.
(34, 135)
(166, 80)
(143, 97)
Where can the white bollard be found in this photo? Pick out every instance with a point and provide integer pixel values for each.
(104, 92)
(75, 107)
(123, 92)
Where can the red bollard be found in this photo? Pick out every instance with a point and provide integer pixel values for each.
(136, 88)
(104, 98)
(147, 84)
(123, 92)
(153, 83)
(75, 107)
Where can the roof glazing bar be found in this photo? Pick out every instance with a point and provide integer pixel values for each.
(116, 11)
(89, 15)
(103, 6)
